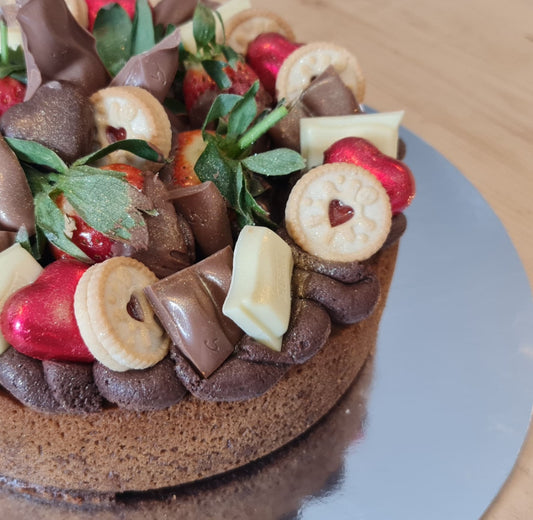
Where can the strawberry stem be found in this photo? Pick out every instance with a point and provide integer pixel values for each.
(4, 56)
(263, 126)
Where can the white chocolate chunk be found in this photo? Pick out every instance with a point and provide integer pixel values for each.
(319, 133)
(226, 11)
(259, 297)
(17, 269)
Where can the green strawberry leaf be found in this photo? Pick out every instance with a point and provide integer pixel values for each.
(143, 33)
(12, 62)
(50, 220)
(243, 113)
(220, 108)
(138, 147)
(103, 201)
(113, 33)
(215, 70)
(203, 26)
(37, 154)
(280, 161)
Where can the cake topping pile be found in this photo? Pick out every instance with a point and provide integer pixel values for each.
(189, 200)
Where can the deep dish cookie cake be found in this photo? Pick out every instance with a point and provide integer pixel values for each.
(199, 230)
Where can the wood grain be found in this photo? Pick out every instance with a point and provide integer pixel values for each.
(463, 72)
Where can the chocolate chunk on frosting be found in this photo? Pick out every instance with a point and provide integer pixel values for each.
(16, 199)
(170, 239)
(189, 307)
(23, 377)
(346, 303)
(235, 380)
(326, 95)
(154, 388)
(56, 47)
(72, 385)
(58, 116)
(205, 210)
(153, 70)
(309, 329)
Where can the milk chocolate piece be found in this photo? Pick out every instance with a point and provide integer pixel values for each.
(153, 70)
(16, 200)
(7, 239)
(326, 95)
(170, 239)
(154, 388)
(73, 386)
(308, 331)
(23, 377)
(345, 303)
(189, 306)
(56, 47)
(205, 210)
(171, 12)
(59, 116)
(235, 380)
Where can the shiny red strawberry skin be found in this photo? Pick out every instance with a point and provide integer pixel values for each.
(394, 175)
(94, 6)
(38, 320)
(11, 93)
(266, 54)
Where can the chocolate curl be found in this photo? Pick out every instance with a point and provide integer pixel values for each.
(56, 47)
(153, 70)
(170, 12)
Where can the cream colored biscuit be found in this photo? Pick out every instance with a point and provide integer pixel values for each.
(365, 223)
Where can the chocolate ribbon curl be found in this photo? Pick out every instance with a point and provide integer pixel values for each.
(56, 47)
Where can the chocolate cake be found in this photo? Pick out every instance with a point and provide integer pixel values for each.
(197, 298)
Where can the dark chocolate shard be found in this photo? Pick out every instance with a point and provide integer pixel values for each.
(153, 388)
(347, 272)
(58, 116)
(153, 70)
(308, 331)
(23, 377)
(235, 380)
(397, 229)
(346, 303)
(205, 210)
(72, 385)
(189, 307)
(57, 48)
(16, 199)
(170, 239)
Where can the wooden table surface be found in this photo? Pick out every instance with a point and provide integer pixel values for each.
(463, 72)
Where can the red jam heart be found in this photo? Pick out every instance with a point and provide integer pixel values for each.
(339, 213)
(39, 321)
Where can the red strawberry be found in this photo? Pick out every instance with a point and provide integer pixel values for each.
(94, 6)
(38, 320)
(11, 93)
(196, 82)
(396, 177)
(189, 146)
(266, 55)
(97, 246)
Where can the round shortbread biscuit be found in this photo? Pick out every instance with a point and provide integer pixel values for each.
(245, 26)
(131, 113)
(131, 342)
(308, 210)
(311, 60)
(90, 337)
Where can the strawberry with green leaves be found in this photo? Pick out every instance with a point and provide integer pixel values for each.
(228, 159)
(83, 211)
(216, 67)
(12, 73)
